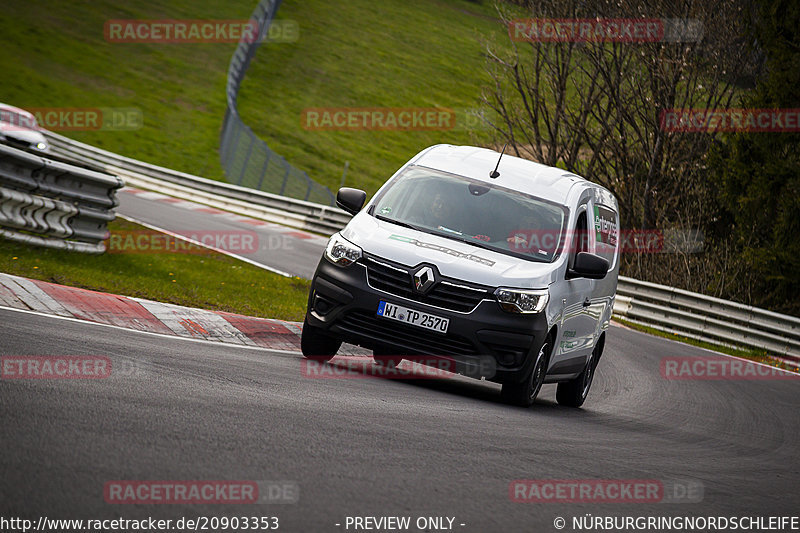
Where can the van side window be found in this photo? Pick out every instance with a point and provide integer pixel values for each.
(581, 236)
(604, 226)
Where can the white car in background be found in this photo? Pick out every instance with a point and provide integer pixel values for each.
(18, 128)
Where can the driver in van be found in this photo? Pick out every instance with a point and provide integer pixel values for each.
(522, 238)
(439, 214)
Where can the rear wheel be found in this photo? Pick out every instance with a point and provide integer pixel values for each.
(573, 393)
(317, 345)
(524, 393)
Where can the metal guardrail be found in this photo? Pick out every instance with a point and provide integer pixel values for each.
(706, 318)
(665, 308)
(250, 202)
(54, 204)
(247, 160)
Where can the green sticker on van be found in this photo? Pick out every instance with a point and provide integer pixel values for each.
(605, 225)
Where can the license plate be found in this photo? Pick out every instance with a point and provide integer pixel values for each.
(415, 318)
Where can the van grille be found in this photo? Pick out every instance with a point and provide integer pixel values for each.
(447, 293)
(418, 341)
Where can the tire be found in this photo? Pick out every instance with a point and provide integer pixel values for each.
(316, 345)
(573, 393)
(524, 393)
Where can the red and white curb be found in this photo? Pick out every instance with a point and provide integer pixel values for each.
(186, 204)
(161, 318)
(153, 317)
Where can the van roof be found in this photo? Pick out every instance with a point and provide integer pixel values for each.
(550, 183)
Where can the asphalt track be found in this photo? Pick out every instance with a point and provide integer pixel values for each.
(190, 410)
(377, 447)
(277, 249)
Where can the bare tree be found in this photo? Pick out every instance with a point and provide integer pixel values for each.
(596, 108)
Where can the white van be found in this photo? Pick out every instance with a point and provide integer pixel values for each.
(502, 267)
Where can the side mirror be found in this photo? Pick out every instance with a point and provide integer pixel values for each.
(351, 200)
(588, 266)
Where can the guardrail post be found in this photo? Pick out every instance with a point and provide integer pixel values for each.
(224, 140)
(285, 177)
(264, 167)
(247, 157)
(234, 145)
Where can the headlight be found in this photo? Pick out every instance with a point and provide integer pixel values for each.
(41, 146)
(342, 252)
(522, 301)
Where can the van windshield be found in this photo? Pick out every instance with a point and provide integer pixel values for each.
(481, 214)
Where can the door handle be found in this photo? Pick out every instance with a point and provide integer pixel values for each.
(587, 302)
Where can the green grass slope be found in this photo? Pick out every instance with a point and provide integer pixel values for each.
(55, 55)
(364, 54)
(360, 53)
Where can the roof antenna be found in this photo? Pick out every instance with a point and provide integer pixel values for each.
(494, 174)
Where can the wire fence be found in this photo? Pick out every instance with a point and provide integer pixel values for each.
(246, 159)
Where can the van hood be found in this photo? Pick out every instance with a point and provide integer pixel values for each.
(454, 259)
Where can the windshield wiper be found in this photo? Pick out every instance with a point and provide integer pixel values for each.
(398, 222)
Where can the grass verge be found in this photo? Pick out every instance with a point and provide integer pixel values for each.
(759, 356)
(202, 278)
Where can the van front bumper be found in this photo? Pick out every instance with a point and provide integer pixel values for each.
(485, 342)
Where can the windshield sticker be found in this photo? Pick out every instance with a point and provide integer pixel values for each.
(442, 249)
(385, 210)
(448, 230)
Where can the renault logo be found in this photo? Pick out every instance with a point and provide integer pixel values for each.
(424, 279)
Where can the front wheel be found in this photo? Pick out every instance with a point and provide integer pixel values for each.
(317, 345)
(573, 393)
(524, 393)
